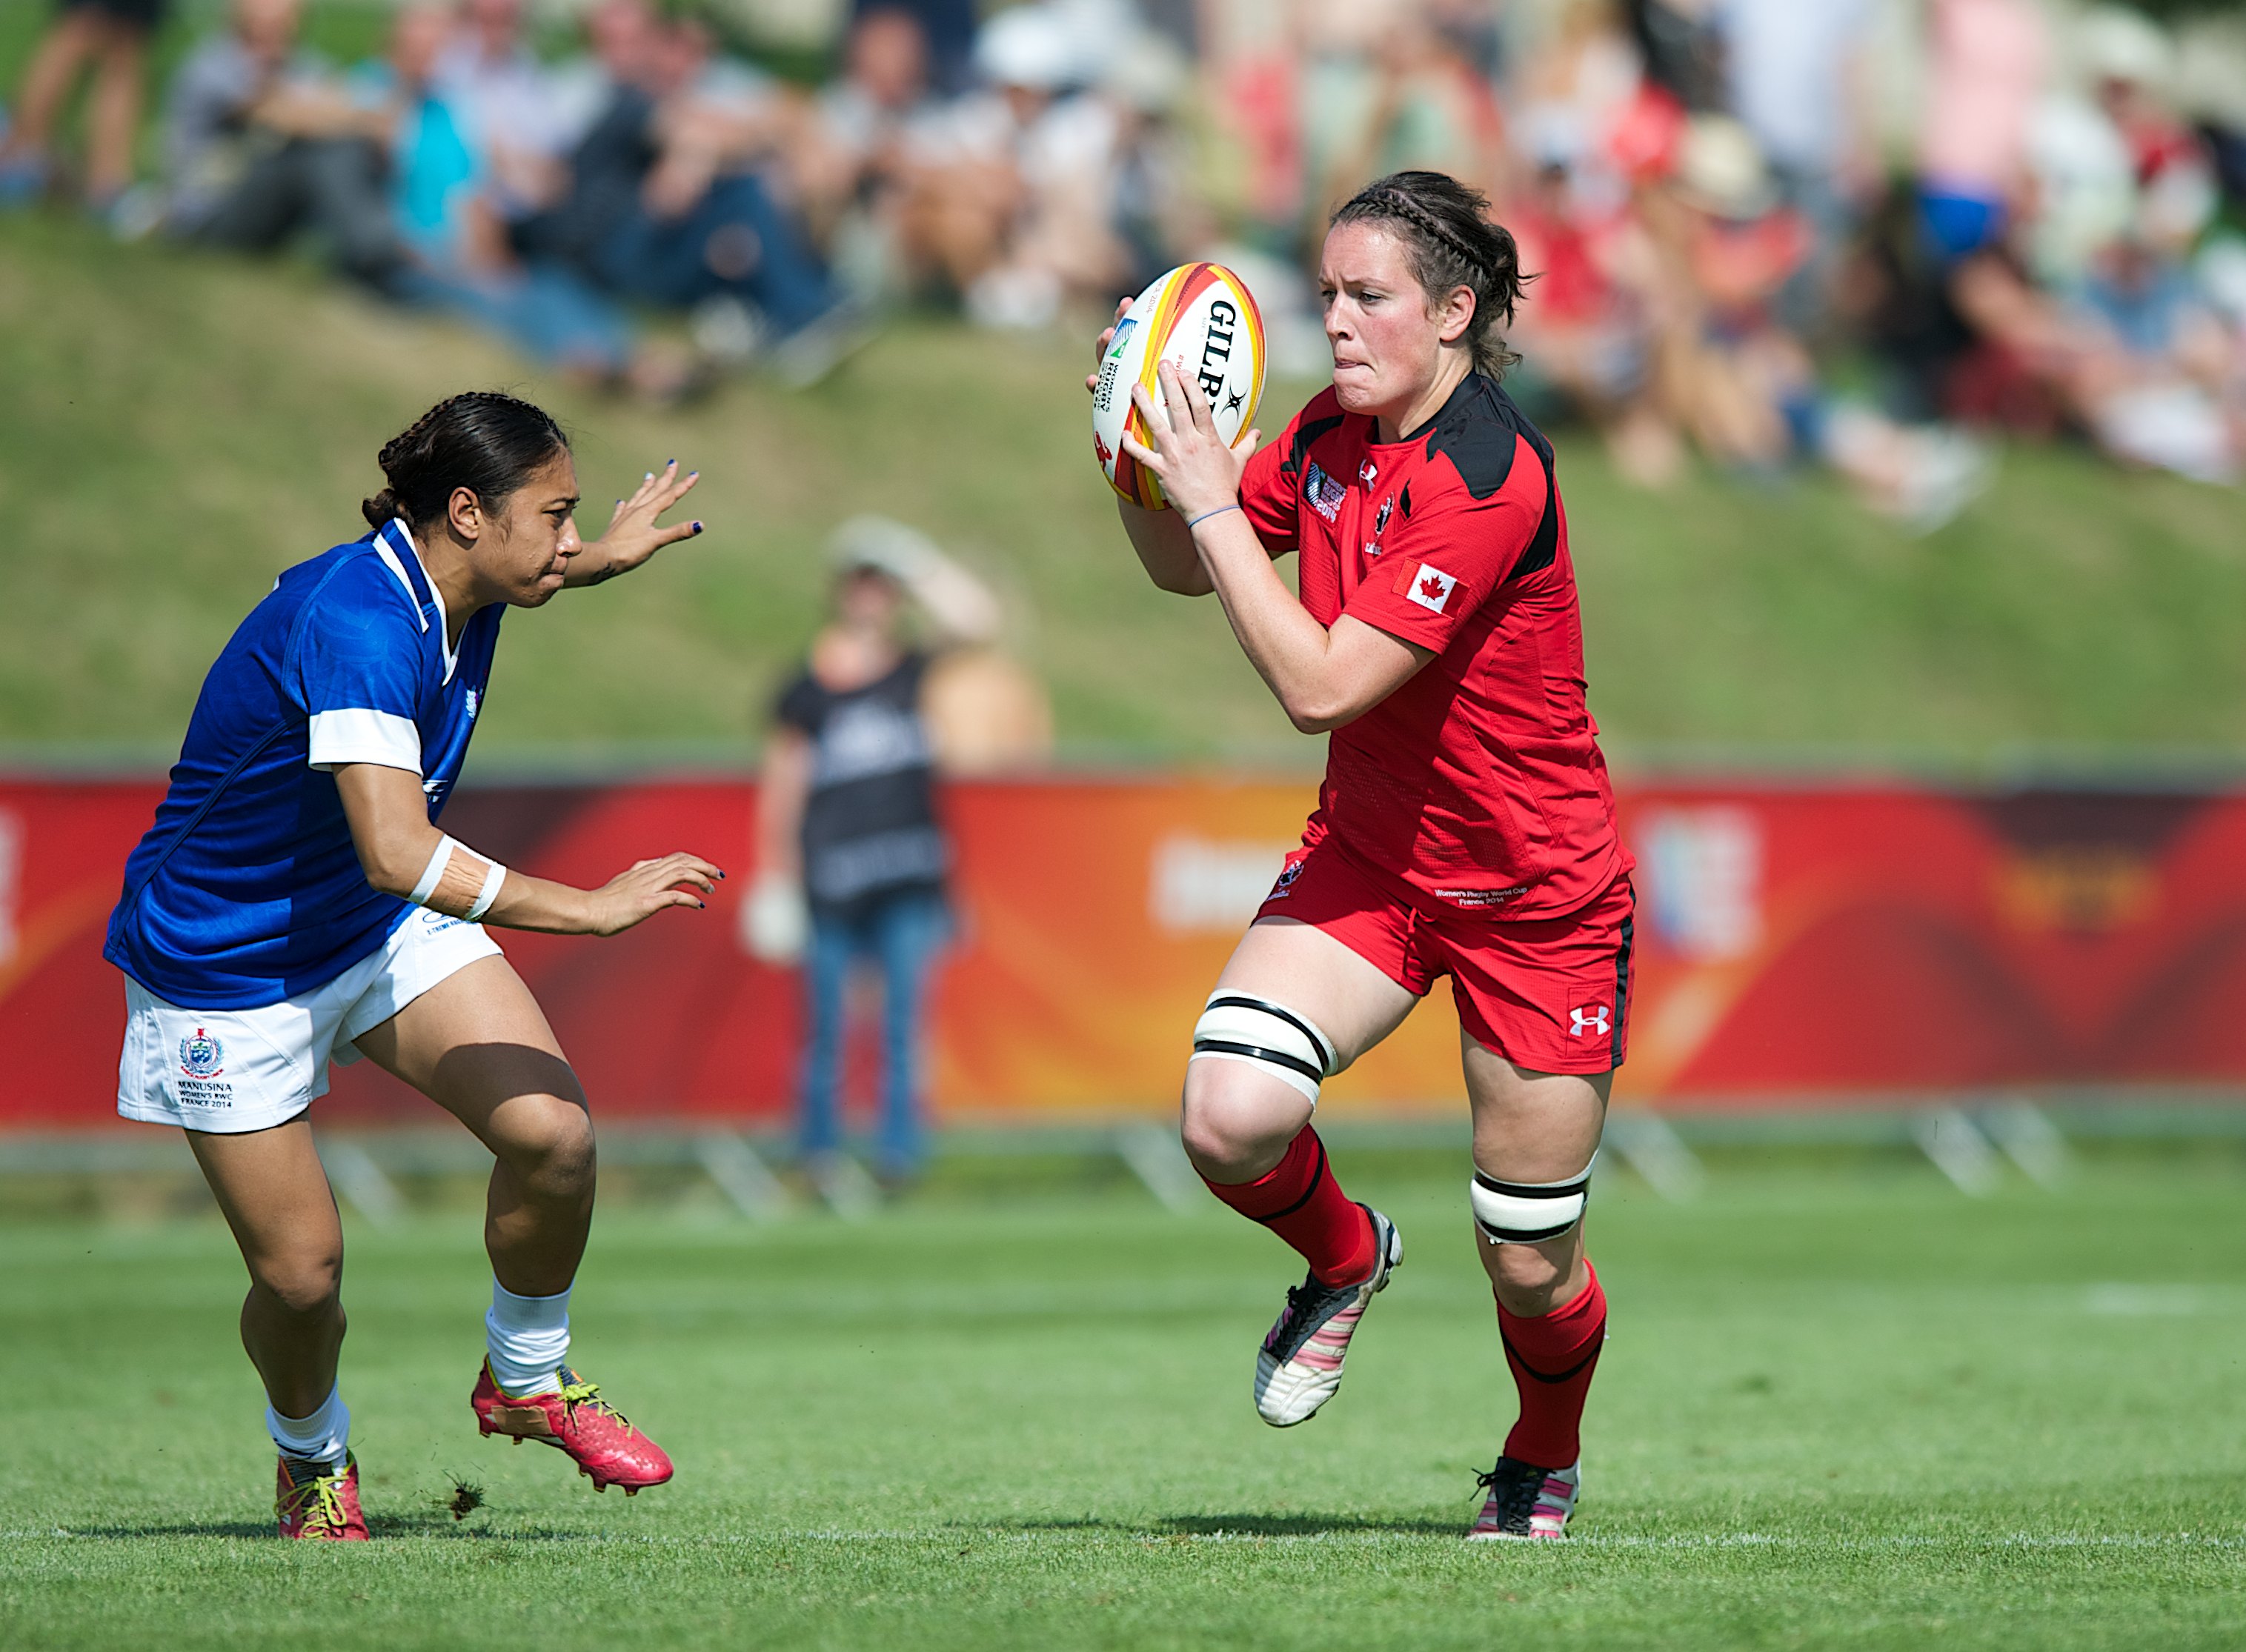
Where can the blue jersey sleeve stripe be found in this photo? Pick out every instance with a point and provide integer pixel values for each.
(360, 734)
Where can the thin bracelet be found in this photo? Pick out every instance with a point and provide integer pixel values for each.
(1205, 515)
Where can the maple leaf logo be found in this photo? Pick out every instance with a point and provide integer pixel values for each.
(1431, 588)
(1100, 448)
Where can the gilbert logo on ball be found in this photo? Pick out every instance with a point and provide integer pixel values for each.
(1200, 318)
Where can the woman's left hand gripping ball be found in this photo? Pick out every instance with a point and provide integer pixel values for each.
(1198, 471)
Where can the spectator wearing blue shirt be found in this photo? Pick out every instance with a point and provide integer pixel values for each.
(443, 201)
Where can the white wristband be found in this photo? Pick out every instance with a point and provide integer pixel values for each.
(434, 873)
(493, 878)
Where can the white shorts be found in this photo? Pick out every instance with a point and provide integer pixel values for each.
(232, 1071)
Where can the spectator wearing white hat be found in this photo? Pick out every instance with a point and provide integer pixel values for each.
(852, 856)
(1014, 208)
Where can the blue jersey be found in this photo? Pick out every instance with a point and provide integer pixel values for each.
(248, 889)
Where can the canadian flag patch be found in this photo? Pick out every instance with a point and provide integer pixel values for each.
(1429, 586)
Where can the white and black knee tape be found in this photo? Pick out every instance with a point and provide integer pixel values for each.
(1525, 1213)
(1238, 1026)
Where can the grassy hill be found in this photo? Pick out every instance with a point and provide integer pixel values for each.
(176, 428)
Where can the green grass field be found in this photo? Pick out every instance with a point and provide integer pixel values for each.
(1840, 1408)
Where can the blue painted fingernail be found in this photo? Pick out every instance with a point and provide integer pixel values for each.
(697, 528)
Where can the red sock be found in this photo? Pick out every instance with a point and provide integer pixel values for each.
(1300, 1201)
(1553, 1357)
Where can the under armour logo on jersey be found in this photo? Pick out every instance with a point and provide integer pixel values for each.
(1585, 1021)
(1429, 586)
(1367, 472)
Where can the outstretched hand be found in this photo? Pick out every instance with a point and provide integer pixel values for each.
(647, 888)
(1199, 471)
(633, 534)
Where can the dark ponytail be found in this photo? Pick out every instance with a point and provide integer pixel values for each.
(1453, 244)
(482, 440)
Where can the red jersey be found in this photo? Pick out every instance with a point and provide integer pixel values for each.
(1479, 783)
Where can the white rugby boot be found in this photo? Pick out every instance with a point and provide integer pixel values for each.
(1526, 1503)
(1298, 1368)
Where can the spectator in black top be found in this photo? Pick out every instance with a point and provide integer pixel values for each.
(851, 853)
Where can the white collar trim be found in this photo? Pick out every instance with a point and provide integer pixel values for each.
(445, 629)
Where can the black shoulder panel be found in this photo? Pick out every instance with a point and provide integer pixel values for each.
(1306, 433)
(1481, 430)
(1544, 550)
(1473, 430)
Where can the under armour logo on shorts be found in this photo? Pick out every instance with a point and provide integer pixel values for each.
(1589, 1020)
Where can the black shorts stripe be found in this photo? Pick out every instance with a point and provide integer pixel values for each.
(1257, 1052)
(1621, 986)
(1234, 1001)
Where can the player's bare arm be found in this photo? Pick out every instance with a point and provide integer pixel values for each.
(1324, 677)
(398, 847)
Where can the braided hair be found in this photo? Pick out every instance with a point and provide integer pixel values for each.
(1452, 243)
(483, 441)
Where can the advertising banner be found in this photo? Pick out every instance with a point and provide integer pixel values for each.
(1796, 946)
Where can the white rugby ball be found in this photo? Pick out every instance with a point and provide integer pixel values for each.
(1203, 319)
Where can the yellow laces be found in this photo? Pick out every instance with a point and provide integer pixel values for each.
(582, 1393)
(326, 1496)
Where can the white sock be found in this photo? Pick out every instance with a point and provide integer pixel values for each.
(323, 1436)
(529, 1337)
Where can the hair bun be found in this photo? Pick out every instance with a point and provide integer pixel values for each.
(379, 510)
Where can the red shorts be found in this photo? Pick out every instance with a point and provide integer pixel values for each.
(1551, 994)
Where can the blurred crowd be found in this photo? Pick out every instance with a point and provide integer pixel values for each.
(1855, 234)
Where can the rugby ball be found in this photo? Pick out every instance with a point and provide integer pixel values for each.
(1201, 319)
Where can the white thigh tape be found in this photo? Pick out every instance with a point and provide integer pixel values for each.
(434, 873)
(1522, 1213)
(1237, 1026)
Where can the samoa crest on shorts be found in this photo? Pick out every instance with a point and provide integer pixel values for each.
(202, 1055)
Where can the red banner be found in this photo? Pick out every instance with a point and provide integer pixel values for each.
(1795, 944)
